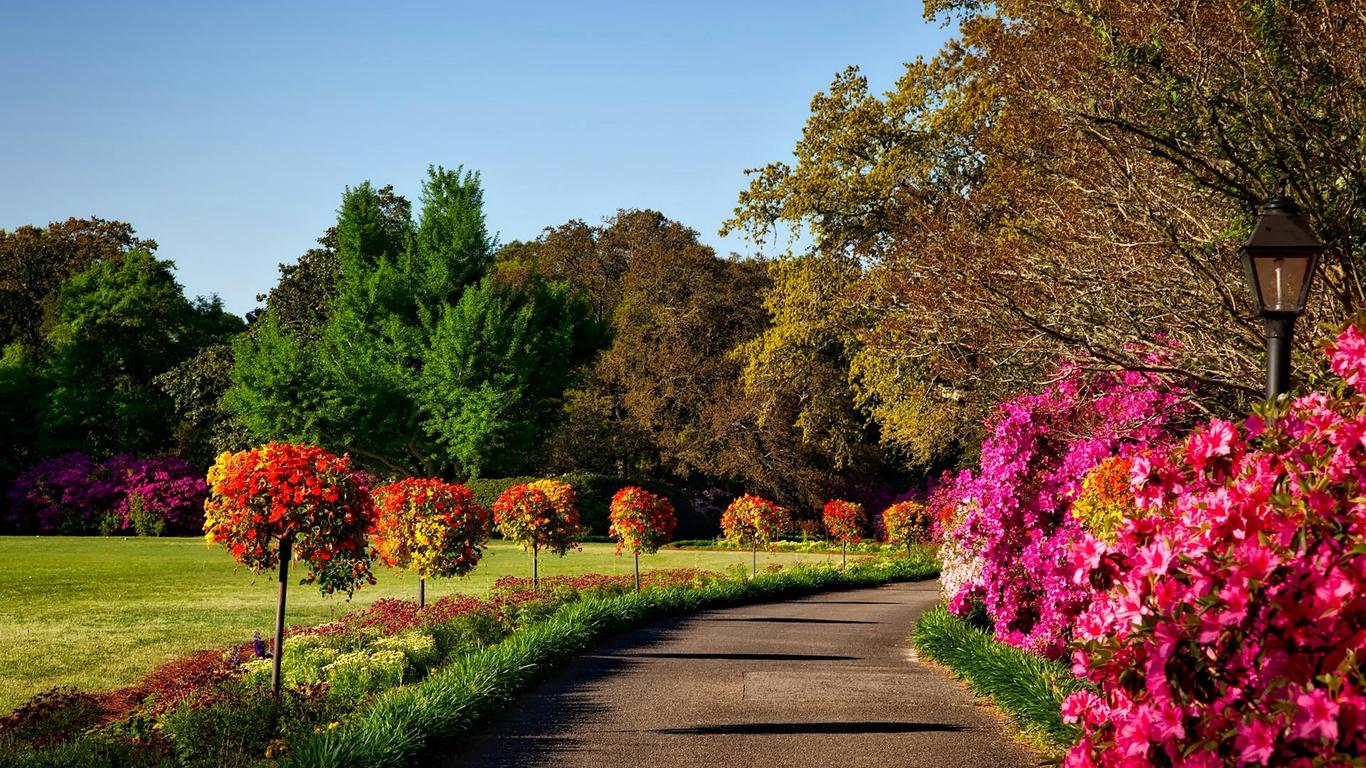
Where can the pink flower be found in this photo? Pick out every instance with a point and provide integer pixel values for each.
(1347, 355)
(1215, 441)
(1256, 742)
(1316, 716)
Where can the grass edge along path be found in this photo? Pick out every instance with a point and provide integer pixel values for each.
(402, 726)
(1029, 688)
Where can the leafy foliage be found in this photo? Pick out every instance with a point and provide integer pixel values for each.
(419, 362)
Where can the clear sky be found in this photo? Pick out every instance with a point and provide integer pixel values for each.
(227, 131)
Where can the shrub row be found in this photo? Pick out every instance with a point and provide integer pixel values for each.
(595, 498)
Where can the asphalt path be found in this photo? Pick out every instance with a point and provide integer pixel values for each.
(826, 680)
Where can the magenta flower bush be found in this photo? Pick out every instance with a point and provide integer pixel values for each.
(74, 494)
(1015, 530)
(1232, 628)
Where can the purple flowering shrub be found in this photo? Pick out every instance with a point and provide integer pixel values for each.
(73, 494)
(1015, 509)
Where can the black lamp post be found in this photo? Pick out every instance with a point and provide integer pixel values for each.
(1280, 258)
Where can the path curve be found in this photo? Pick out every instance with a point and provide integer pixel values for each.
(826, 680)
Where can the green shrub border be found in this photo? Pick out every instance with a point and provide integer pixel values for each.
(1028, 687)
(403, 726)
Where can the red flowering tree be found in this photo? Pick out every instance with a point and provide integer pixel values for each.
(278, 502)
(433, 528)
(908, 523)
(845, 521)
(755, 521)
(539, 515)
(640, 521)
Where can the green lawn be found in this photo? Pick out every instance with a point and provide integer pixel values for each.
(97, 613)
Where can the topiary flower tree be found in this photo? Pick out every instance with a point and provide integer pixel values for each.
(433, 528)
(845, 521)
(539, 515)
(756, 521)
(271, 504)
(908, 523)
(640, 521)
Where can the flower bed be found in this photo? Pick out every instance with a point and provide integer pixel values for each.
(215, 708)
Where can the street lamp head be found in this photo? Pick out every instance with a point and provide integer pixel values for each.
(1280, 259)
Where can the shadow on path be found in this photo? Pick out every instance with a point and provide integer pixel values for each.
(751, 729)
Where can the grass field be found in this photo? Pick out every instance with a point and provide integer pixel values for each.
(97, 613)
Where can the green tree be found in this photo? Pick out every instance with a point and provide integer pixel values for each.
(35, 261)
(501, 361)
(117, 326)
(397, 321)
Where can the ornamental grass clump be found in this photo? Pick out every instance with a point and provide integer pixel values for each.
(1231, 628)
(846, 523)
(270, 504)
(433, 528)
(537, 516)
(755, 521)
(641, 522)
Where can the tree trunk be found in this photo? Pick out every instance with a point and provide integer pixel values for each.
(844, 555)
(286, 551)
(637, 554)
(421, 592)
(754, 561)
(535, 568)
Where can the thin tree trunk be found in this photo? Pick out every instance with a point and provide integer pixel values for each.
(637, 554)
(286, 551)
(754, 561)
(844, 555)
(535, 568)
(421, 592)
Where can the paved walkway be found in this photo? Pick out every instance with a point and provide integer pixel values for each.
(827, 680)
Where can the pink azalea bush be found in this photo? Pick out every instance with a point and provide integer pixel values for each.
(1015, 531)
(1232, 625)
(74, 494)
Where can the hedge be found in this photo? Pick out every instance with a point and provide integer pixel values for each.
(595, 496)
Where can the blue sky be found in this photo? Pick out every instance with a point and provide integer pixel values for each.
(227, 131)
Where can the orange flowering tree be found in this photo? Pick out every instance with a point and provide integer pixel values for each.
(433, 528)
(539, 515)
(907, 523)
(756, 521)
(846, 522)
(640, 522)
(278, 502)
